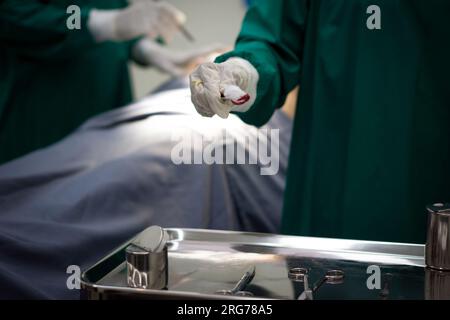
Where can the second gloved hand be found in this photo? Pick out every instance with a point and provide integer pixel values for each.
(224, 87)
(149, 53)
(143, 18)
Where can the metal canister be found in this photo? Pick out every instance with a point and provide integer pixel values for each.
(437, 284)
(437, 249)
(147, 260)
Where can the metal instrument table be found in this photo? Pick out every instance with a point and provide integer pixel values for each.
(204, 263)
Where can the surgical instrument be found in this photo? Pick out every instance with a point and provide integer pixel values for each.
(239, 288)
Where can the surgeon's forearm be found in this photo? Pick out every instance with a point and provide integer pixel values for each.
(272, 41)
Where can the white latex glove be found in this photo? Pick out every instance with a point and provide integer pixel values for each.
(147, 52)
(225, 87)
(144, 18)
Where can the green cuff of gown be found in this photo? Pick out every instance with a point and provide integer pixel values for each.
(268, 91)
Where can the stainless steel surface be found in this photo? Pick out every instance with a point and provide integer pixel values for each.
(152, 239)
(437, 285)
(147, 260)
(203, 262)
(384, 293)
(438, 238)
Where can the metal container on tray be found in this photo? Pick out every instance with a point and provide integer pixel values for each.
(437, 250)
(147, 260)
(205, 264)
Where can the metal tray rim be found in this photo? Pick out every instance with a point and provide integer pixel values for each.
(414, 253)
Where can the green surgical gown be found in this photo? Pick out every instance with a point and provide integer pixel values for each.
(52, 78)
(371, 139)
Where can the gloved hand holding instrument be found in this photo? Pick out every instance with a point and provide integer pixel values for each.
(141, 18)
(223, 88)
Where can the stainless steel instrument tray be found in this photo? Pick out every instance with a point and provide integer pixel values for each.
(201, 262)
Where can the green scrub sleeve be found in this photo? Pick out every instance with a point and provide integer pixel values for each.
(271, 39)
(39, 31)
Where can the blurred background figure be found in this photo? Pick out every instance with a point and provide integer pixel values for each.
(52, 79)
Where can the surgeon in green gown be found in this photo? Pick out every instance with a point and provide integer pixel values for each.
(371, 140)
(52, 77)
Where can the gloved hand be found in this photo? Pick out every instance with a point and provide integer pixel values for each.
(147, 52)
(225, 87)
(143, 18)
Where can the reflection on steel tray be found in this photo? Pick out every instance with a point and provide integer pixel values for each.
(231, 265)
